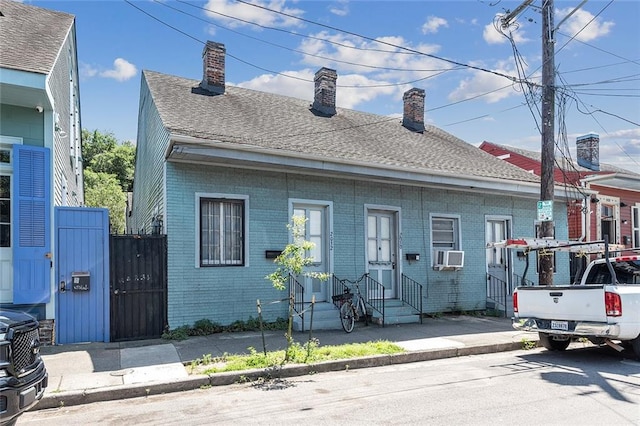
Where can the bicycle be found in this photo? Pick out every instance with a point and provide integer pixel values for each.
(352, 307)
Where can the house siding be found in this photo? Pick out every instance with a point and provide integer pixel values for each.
(148, 185)
(60, 85)
(227, 294)
(22, 122)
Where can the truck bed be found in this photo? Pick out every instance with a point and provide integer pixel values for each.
(573, 303)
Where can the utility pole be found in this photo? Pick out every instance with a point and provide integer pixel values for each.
(548, 133)
(545, 230)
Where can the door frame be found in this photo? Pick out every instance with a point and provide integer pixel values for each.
(327, 237)
(507, 221)
(395, 213)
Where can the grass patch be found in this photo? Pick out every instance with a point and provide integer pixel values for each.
(307, 353)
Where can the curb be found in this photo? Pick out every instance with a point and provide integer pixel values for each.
(88, 396)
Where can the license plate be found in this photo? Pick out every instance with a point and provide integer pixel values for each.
(560, 325)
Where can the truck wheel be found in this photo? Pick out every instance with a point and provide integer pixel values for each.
(548, 342)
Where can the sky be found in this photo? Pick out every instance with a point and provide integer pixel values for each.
(481, 79)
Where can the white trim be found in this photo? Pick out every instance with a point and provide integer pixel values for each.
(396, 213)
(218, 195)
(458, 218)
(10, 140)
(330, 236)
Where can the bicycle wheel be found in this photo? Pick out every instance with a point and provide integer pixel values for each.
(346, 317)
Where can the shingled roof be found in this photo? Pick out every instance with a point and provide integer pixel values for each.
(564, 163)
(31, 37)
(258, 121)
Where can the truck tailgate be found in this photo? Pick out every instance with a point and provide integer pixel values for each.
(575, 303)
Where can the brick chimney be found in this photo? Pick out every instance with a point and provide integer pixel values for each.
(213, 67)
(588, 151)
(324, 100)
(413, 114)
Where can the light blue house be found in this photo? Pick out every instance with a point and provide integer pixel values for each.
(40, 149)
(224, 169)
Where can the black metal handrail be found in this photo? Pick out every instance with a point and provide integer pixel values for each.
(296, 290)
(522, 281)
(412, 294)
(374, 295)
(497, 291)
(338, 288)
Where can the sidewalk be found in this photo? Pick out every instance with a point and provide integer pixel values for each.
(91, 372)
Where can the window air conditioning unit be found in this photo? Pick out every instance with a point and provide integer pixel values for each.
(448, 259)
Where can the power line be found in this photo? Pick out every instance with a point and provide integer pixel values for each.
(386, 43)
(262, 40)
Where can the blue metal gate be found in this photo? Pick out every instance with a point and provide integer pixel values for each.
(82, 275)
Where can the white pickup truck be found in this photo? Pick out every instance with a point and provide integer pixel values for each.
(603, 307)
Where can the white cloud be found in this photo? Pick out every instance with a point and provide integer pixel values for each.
(621, 148)
(493, 36)
(122, 70)
(236, 13)
(340, 9)
(494, 86)
(433, 24)
(87, 70)
(346, 97)
(583, 24)
(382, 60)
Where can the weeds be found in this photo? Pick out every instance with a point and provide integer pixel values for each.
(307, 353)
(528, 344)
(205, 327)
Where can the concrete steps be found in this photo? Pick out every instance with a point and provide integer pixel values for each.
(396, 312)
(327, 317)
(500, 307)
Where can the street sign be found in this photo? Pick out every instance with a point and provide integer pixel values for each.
(545, 211)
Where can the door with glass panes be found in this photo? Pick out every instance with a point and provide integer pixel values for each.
(6, 255)
(381, 250)
(316, 231)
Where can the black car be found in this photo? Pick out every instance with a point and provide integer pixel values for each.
(23, 376)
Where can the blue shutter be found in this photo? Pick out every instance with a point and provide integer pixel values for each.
(32, 225)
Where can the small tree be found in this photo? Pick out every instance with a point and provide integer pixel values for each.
(292, 261)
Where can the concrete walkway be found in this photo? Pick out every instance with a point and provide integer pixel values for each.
(85, 373)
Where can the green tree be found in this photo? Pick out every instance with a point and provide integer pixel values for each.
(93, 143)
(103, 190)
(102, 153)
(292, 261)
(108, 174)
(118, 161)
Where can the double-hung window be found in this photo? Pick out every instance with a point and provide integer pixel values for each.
(222, 232)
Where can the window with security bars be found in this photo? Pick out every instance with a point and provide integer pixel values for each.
(222, 232)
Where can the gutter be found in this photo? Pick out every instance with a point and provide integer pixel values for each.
(257, 158)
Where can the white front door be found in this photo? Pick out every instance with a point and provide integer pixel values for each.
(6, 255)
(381, 250)
(316, 228)
(497, 260)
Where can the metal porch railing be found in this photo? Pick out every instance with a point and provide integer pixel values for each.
(374, 295)
(296, 290)
(412, 294)
(498, 291)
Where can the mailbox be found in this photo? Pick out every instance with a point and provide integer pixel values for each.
(80, 281)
